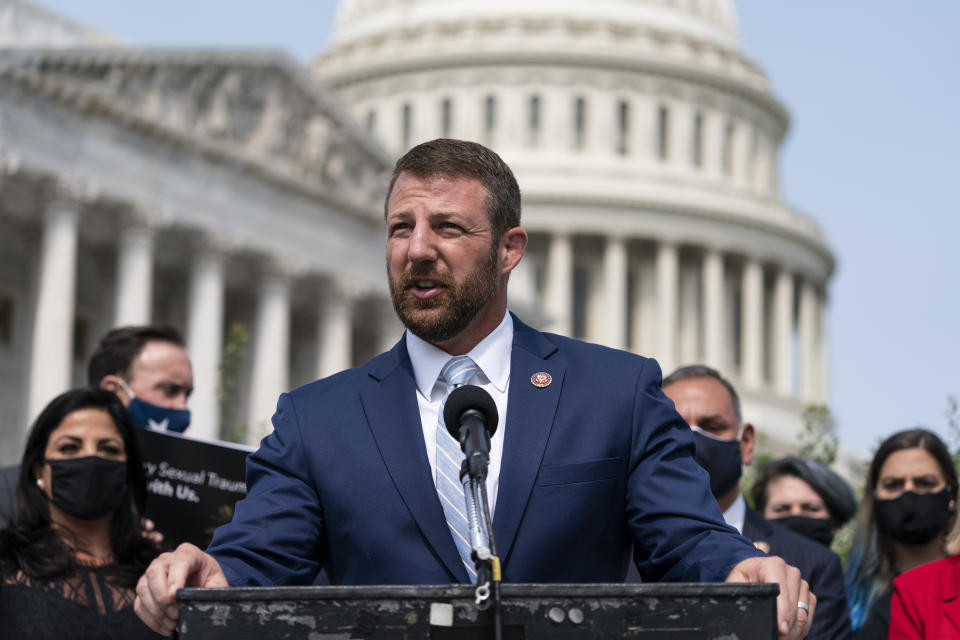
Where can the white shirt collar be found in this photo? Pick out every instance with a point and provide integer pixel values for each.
(736, 515)
(492, 356)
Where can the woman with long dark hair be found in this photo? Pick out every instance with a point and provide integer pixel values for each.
(73, 550)
(909, 505)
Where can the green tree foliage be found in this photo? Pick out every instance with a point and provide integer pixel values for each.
(952, 414)
(818, 440)
(235, 342)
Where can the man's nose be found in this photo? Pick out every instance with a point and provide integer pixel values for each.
(422, 245)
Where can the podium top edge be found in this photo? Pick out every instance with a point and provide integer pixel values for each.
(618, 590)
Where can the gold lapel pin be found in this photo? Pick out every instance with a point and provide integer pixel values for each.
(541, 379)
(762, 545)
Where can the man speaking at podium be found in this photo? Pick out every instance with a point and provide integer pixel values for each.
(589, 459)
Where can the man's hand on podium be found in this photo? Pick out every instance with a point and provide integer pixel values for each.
(795, 604)
(188, 566)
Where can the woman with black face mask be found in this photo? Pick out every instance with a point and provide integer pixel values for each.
(909, 504)
(925, 600)
(73, 550)
(805, 495)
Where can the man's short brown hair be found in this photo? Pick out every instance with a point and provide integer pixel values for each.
(460, 158)
(120, 347)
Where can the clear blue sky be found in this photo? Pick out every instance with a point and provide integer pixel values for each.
(872, 156)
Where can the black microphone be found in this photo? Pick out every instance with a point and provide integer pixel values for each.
(470, 415)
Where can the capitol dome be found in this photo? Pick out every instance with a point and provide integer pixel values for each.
(645, 142)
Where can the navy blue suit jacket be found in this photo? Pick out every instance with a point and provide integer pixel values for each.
(818, 565)
(595, 462)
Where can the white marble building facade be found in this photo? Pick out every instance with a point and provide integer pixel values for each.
(645, 143)
(198, 190)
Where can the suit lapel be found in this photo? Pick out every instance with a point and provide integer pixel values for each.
(949, 590)
(531, 411)
(392, 412)
(758, 530)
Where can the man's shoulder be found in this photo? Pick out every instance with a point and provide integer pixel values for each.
(10, 474)
(350, 380)
(574, 349)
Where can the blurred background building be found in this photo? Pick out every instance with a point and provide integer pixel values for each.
(239, 197)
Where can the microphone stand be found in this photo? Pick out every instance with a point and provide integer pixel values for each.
(494, 566)
(485, 557)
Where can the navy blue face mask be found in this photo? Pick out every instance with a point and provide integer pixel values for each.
(155, 417)
(721, 458)
(158, 418)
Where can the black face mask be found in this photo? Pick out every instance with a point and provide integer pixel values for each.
(721, 459)
(914, 518)
(87, 487)
(819, 529)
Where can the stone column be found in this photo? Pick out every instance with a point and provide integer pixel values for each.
(680, 138)
(822, 356)
(134, 290)
(643, 129)
(522, 291)
(689, 319)
(808, 348)
(615, 292)
(51, 351)
(667, 268)
(783, 332)
(752, 324)
(334, 330)
(559, 289)
(270, 364)
(389, 327)
(557, 110)
(601, 122)
(205, 341)
(713, 329)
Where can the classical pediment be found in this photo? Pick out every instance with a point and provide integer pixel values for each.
(255, 107)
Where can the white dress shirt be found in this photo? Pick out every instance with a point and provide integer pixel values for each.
(736, 514)
(492, 357)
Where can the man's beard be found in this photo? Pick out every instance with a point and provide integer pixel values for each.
(450, 312)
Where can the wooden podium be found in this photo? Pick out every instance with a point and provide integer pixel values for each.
(671, 611)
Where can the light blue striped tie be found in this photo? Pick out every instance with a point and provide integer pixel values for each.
(449, 457)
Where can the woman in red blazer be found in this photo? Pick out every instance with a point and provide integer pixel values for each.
(926, 600)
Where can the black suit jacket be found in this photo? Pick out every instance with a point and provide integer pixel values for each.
(818, 565)
(9, 477)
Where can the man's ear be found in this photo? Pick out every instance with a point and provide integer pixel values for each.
(512, 245)
(747, 441)
(114, 385)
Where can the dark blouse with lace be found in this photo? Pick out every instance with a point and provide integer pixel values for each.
(86, 605)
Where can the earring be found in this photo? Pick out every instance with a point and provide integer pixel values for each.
(40, 483)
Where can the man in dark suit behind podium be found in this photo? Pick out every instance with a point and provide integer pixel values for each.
(589, 458)
(710, 404)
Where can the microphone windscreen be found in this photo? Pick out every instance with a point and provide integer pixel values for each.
(465, 398)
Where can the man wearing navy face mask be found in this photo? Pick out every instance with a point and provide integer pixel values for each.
(148, 368)
(724, 443)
